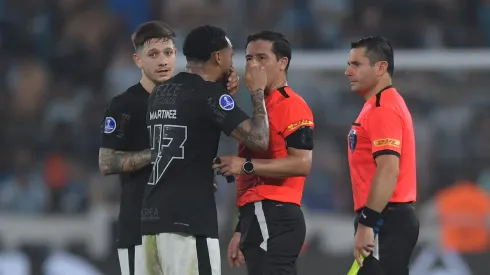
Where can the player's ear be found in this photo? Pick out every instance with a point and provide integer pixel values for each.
(137, 60)
(216, 57)
(283, 63)
(382, 68)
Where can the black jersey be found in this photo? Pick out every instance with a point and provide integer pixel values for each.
(124, 129)
(185, 118)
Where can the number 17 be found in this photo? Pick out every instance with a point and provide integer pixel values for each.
(168, 140)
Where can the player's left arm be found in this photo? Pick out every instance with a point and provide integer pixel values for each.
(385, 127)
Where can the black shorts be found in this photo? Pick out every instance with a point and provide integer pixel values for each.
(273, 234)
(395, 242)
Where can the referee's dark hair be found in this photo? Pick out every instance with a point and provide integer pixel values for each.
(280, 45)
(151, 30)
(203, 41)
(378, 49)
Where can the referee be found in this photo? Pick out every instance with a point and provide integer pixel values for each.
(382, 163)
(271, 228)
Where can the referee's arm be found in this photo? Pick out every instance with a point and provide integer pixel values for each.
(112, 160)
(384, 182)
(294, 122)
(298, 161)
(385, 131)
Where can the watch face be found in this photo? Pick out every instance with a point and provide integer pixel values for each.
(248, 167)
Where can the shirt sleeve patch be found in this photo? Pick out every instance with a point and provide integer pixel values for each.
(387, 142)
(109, 125)
(226, 102)
(296, 125)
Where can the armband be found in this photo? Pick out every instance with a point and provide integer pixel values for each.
(371, 218)
(301, 139)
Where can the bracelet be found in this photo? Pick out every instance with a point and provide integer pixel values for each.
(371, 218)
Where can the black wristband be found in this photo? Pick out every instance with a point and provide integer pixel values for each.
(238, 227)
(371, 218)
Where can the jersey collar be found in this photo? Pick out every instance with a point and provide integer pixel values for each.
(376, 98)
(281, 91)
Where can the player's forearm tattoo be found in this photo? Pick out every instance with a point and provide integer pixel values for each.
(254, 132)
(117, 162)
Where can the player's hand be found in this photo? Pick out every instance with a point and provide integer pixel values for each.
(229, 165)
(363, 242)
(255, 76)
(233, 82)
(235, 256)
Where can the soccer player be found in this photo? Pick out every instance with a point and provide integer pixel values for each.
(186, 116)
(271, 228)
(382, 163)
(125, 144)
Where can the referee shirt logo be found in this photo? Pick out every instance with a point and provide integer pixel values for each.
(352, 140)
(226, 102)
(109, 125)
(387, 142)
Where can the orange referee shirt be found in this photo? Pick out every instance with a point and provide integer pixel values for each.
(287, 113)
(384, 126)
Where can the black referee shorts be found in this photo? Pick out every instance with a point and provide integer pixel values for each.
(273, 234)
(395, 241)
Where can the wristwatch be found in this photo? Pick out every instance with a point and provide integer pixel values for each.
(248, 166)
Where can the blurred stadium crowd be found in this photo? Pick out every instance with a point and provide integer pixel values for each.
(61, 61)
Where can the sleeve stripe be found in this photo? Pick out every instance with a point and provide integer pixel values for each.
(385, 152)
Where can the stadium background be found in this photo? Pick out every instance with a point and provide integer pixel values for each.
(62, 60)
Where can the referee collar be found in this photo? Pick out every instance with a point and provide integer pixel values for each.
(283, 91)
(377, 97)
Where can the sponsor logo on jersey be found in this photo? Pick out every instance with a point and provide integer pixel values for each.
(387, 142)
(352, 140)
(109, 125)
(297, 124)
(226, 102)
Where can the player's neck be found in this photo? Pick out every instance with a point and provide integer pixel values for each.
(276, 85)
(383, 83)
(200, 69)
(147, 84)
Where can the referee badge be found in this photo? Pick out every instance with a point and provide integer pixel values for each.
(226, 102)
(352, 140)
(109, 125)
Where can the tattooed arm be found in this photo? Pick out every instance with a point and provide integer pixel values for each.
(254, 132)
(118, 162)
(116, 129)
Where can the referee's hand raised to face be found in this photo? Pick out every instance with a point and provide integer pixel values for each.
(255, 76)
